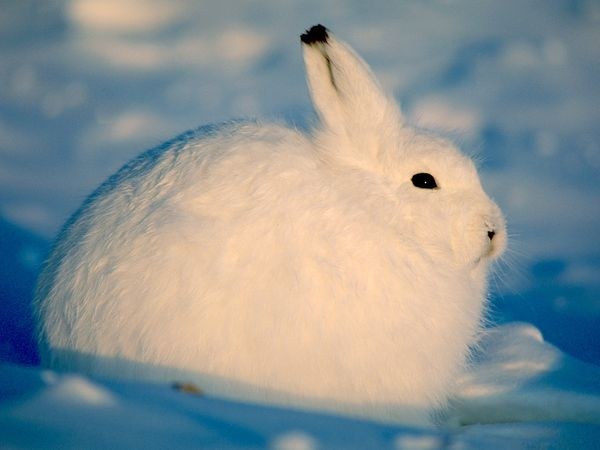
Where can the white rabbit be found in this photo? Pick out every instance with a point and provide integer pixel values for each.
(344, 270)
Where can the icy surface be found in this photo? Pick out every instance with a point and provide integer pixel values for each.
(523, 393)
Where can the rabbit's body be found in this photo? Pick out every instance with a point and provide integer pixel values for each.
(290, 269)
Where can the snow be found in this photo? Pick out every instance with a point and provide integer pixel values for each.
(87, 85)
(519, 377)
(522, 393)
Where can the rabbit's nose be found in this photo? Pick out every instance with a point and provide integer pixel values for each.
(491, 234)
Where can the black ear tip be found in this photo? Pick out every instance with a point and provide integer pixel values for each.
(317, 33)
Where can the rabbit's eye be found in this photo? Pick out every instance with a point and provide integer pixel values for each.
(424, 181)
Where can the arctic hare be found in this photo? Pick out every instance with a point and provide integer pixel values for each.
(343, 270)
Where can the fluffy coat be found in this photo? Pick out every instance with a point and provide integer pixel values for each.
(268, 265)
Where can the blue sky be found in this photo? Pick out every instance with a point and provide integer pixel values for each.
(87, 85)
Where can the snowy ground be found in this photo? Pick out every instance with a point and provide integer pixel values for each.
(523, 394)
(88, 84)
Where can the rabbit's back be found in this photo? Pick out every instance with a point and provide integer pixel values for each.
(181, 193)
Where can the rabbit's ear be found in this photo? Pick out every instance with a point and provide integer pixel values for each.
(346, 95)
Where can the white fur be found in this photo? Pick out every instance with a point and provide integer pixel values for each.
(271, 266)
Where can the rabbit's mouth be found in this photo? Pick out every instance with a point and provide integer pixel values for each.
(493, 249)
(492, 246)
(480, 243)
(496, 244)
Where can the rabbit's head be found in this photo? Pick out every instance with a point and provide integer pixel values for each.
(441, 205)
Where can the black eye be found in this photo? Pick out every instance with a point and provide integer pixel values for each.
(424, 181)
